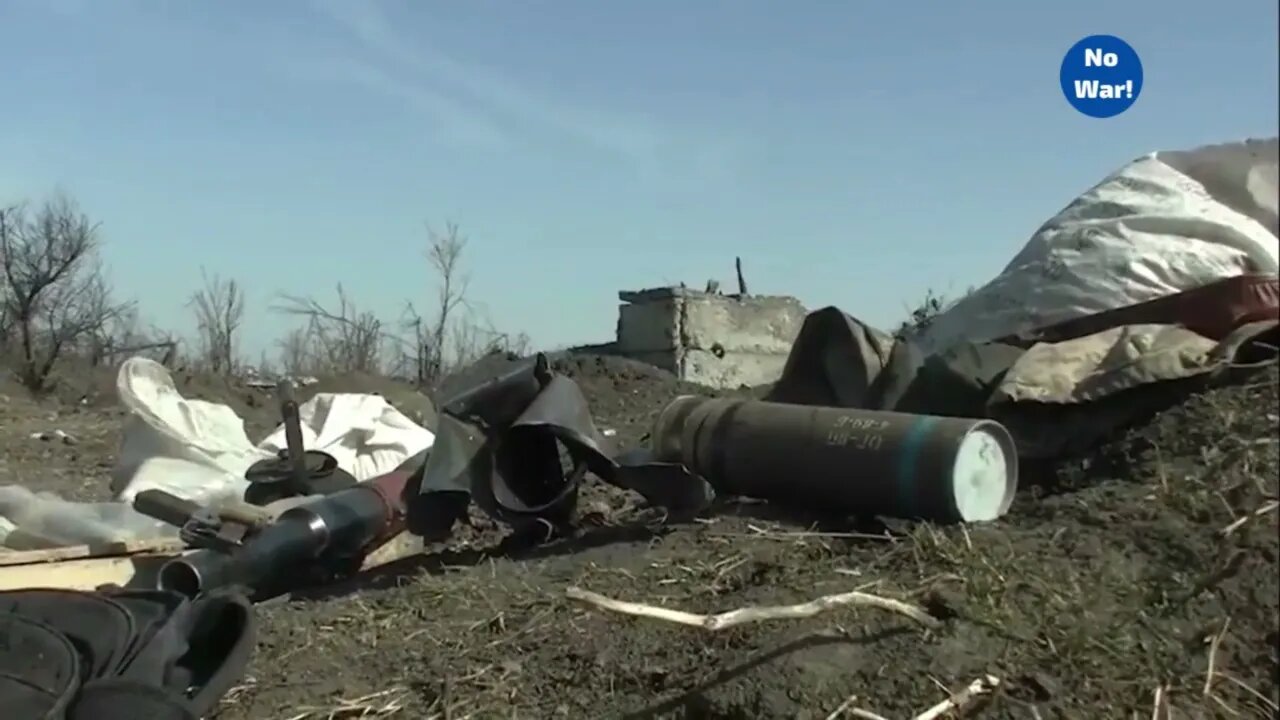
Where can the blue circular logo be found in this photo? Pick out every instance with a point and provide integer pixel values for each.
(1101, 76)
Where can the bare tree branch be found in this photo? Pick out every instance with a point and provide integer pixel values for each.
(444, 252)
(54, 295)
(219, 311)
(341, 338)
(123, 335)
(457, 332)
(338, 339)
(296, 356)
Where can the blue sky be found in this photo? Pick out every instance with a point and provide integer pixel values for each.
(853, 153)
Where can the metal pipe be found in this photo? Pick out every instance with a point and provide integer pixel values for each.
(321, 535)
(292, 433)
(856, 461)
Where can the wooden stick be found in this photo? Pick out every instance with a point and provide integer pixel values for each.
(79, 552)
(1214, 642)
(977, 688)
(1240, 521)
(745, 615)
(847, 707)
(1271, 705)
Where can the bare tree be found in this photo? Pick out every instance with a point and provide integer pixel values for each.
(342, 338)
(6, 316)
(445, 255)
(124, 335)
(459, 331)
(433, 338)
(477, 336)
(297, 356)
(219, 311)
(415, 351)
(266, 365)
(54, 295)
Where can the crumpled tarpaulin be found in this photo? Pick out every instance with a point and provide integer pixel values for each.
(1163, 224)
(1161, 277)
(198, 450)
(1055, 397)
(1063, 397)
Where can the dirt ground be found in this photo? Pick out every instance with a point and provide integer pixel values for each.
(1148, 567)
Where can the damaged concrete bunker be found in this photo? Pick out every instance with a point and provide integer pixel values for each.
(715, 340)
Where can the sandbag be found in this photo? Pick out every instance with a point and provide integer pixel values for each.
(119, 654)
(39, 669)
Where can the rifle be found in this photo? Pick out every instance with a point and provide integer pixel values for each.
(243, 546)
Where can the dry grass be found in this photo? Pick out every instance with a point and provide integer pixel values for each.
(1147, 583)
(1159, 578)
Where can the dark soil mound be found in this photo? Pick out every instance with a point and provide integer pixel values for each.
(625, 395)
(1156, 573)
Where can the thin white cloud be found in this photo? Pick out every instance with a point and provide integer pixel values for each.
(452, 120)
(464, 103)
(616, 133)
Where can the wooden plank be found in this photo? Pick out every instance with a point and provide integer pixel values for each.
(397, 548)
(102, 550)
(42, 569)
(85, 573)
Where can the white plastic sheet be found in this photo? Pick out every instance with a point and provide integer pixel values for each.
(198, 450)
(1166, 223)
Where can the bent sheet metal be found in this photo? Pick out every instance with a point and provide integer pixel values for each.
(519, 444)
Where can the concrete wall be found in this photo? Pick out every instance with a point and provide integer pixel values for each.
(722, 341)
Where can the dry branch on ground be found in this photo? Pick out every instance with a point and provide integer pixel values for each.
(742, 616)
